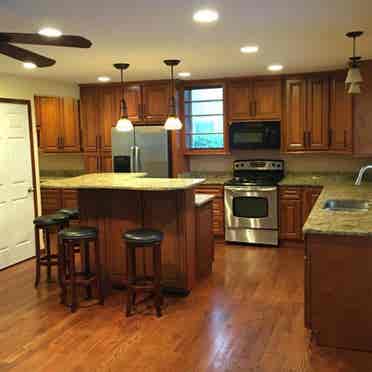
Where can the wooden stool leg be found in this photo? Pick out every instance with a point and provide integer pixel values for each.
(131, 275)
(157, 278)
(62, 271)
(37, 254)
(100, 288)
(48, 253)
(71, 255)
(87, 267)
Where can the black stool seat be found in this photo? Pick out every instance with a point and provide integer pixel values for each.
(73, 213)
(143, 236)
(77, 233)
(50, 219)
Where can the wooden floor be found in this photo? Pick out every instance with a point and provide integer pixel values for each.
(248, 316)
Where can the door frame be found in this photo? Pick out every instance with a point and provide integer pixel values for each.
(32, 148)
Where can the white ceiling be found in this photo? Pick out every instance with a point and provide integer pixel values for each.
(303, 35)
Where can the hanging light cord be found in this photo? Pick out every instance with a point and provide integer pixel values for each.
(173, 101)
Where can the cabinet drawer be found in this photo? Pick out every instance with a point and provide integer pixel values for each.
(293, 193)
(217, 191)
(51, 200)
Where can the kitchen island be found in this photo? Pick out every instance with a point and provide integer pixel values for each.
(115, 203)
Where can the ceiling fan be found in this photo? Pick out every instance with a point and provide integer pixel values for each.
(7, 39)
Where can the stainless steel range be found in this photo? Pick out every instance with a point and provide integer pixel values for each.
(251, 202)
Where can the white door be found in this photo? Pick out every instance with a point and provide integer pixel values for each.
(17, 239)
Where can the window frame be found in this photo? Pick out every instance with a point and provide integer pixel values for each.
(185, 85)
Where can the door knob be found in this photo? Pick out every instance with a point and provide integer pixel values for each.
(30, 190)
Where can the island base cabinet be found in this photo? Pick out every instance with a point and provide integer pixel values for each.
(115, 211)
(338, 287)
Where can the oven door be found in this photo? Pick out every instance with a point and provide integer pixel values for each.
(251, 207)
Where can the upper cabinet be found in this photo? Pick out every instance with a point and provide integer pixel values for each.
(254, 99)
(341, 116)
(155, 102)
(58, 121)
(317, 115)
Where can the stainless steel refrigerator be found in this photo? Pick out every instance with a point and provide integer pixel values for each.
(145, 149)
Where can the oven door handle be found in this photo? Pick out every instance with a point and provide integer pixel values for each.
(251, 189)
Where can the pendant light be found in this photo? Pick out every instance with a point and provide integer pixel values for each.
(123, 124)
(354, 77)
(173, 122)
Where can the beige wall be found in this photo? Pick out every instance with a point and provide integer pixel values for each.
(25, 88)
(293, 163)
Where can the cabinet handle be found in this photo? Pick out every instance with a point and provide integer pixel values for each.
(309, 138)
(345, 138)
(100, 141)
(97, 142)
(304, 139)
(139, 110)
(251, 108)
(329, 136)
(98, 164)
(255, 108)
(58, 142)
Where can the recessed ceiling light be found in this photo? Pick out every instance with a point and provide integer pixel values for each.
(206, 16)
(184, 74)
(50, 32)
(249, 49)
(275, 68)
(103, 79)
(29, 65)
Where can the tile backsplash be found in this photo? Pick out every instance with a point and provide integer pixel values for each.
(293, 163)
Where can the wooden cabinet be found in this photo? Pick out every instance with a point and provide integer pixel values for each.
(254, 99)
(155, 102)
(96, 162)
(318, 114)
(341, 116)
(217, 206)
(295, 205)
(58, 121)
(307, 114)
(54, 199)
(204, 239)
(338, 301)
(317, 100)
(290, 218)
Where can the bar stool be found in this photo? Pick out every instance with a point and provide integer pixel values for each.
(73, 213)
(47, 224)
(69, 276)
(144, 239)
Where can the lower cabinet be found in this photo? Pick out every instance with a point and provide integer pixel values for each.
(295, 205)
(54, 199)
(204, 240)
(217, 206)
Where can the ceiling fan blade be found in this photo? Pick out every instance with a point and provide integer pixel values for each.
(25, 55)
(36, 39)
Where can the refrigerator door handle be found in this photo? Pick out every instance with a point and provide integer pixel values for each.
(135, 159)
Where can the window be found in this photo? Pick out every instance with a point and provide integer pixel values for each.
(204, 119)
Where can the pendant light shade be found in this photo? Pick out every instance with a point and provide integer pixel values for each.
(354, 77)
(173, 122)
(123, 124)
(354, 88)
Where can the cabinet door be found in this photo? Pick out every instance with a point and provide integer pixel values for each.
(89, 113)
(106, 162)
(295, 120)
(267, 99)
(240, 100)
(341, 117)
(310, 196)
(317, 114)
(290, 216)
(91, 162)
(109, 114)
(155, 102)
(70, 125)
(133, 100)
(48, 110)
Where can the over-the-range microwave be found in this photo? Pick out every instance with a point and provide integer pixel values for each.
(255, 135)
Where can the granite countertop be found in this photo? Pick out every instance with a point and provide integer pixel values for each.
(215, 178)
(201, 199)
(322, 221)
(122, 181)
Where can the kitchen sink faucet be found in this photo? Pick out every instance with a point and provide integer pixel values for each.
(361, 174)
